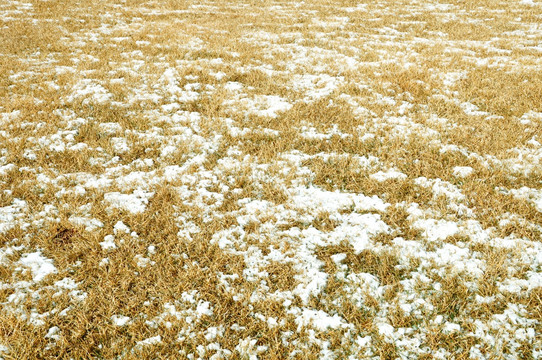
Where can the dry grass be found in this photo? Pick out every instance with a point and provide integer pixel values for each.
(265, 179)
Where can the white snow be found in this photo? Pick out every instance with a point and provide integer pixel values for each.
(313, 198)
(89, 223)
(66, 283)
(204, 308)
(120, 227)
(108, 243)
(142, 261)
(135, 203)
(149, 341)
(233, 86)
(120, 320)
(133, 124)
(110, 128)
(5, 169)
(120, 145)
(90, 91)
(436, 230)
(462, 171)
(534, 196)
(387, 175)
(270, 105)
(53, 333)
(318, 319)
(247, 348)
(38, 264)
(386, 330)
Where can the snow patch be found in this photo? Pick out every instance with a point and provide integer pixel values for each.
(462, 171)
(135, 203)
(387, 175)
(108, 243)
(319, 320)
(90, 91)
(149, 341)
(38, 264)
(120, 320)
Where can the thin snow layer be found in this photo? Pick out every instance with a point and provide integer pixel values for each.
(387, 175)
(120, 320)
(10, 214)
(319, 319)
(314, 87)
(53, 333)
(534, 196)
(120, 145)
(441, 187)
(135, 203)
(176, 115)
(305, 203)
(108, 243)
(266, 105)
(358, 229)
(314, 199)
(435, 230)
(149, 341)
(89, 91)
(89, 223)
(462, 171)
(39, 265)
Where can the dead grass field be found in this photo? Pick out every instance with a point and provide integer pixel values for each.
(270, 180)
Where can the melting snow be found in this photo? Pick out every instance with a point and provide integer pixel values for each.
(534, 196)
(319, 320)
(462, 171)
(108, 243)
(389, 174)
(149, 341)
(90, 91)
(436, 230)
(38, 264)
(120, 320)
(135, 203)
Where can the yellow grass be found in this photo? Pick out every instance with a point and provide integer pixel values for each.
(420, 88)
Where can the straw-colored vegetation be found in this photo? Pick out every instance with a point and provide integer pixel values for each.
(270, 180)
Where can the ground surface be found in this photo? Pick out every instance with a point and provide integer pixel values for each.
(259, 179)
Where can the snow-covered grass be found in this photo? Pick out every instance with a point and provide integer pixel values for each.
(270, 180)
